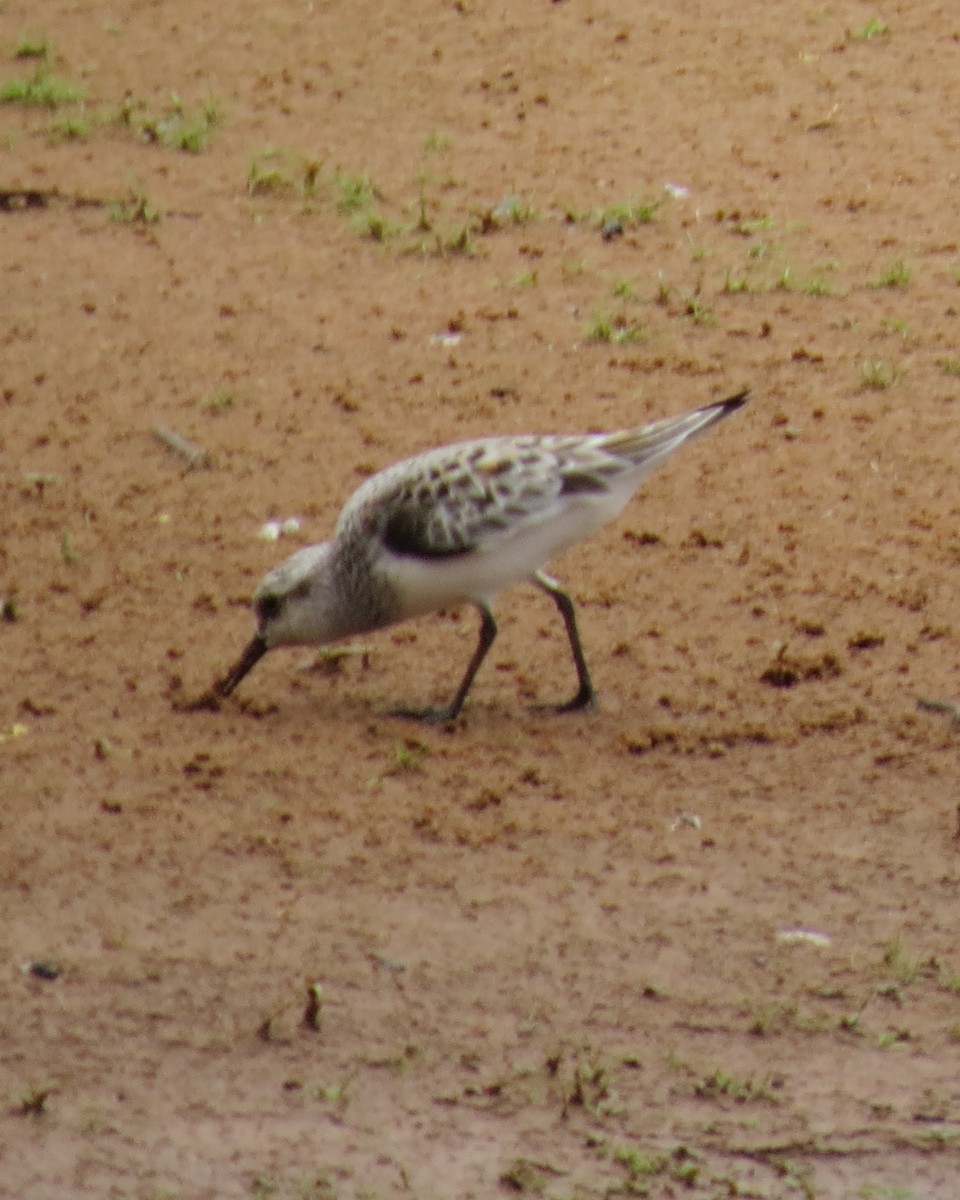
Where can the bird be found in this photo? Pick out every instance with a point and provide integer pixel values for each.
(458, 525)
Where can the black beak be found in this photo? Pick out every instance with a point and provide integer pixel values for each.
(244, 665)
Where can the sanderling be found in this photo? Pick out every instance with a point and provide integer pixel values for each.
(460, 524)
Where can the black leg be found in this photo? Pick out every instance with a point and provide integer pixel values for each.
(586, 697)
(436, 716)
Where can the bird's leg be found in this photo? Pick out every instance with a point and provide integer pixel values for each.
(437, 716)
(586, 697)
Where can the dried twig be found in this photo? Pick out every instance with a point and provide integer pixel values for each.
(193, 455)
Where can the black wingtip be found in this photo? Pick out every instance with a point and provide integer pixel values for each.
(734, 402)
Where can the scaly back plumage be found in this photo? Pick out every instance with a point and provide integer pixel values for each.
(448, 501)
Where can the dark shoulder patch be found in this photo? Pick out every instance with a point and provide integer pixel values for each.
(573, 483)
(408, 533)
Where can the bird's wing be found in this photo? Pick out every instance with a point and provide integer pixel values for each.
(451, 501)
(460, 498)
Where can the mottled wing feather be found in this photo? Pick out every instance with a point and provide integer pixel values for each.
(449, 501)
(410, 532)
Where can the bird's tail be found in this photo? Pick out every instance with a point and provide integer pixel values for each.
(651, 443)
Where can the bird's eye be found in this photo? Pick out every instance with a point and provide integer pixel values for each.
(268, 607)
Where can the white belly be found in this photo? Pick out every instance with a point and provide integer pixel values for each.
(509, 557)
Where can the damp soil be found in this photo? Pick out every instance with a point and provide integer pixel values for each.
(700, 943)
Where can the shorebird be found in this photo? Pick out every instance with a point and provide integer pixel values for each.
(460, 524)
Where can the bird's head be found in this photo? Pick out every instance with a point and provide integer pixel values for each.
(295, 605)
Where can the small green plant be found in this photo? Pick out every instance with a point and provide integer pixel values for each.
(218, 402)
(374, 226)
(39, 481)
(612, 330)
(424, 222)
(435, 142)
(798, 1178)
(733, 284)
(950, 979)
(897, 275)
(643, 212)
(69, 128)
(191, 134)
(901, 964)
(814, 286)
(191, 138)
(33, 46)
(130, 113)
(337, 1093)
(719, 1083)
(768, 1018)
(893, 1037)
(591, 1090)
(510, 211)
(524, 1175)
(40, 90)
(408, 757)
(663, 293)
(280, 171)
(267, 174)
(750, 227)
(356, 192)
(623, 289)
(34, 1102)
(697, 311)
(458, 243)
(174, 127)
(636, 1162)
(134, 209)
(67, 552)
(810, 285)
(874, 28)
(876, 375)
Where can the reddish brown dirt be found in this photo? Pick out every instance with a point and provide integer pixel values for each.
(550, 950)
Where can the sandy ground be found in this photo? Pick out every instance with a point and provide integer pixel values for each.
(701, 944)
